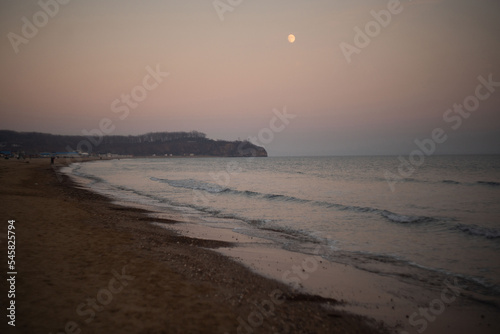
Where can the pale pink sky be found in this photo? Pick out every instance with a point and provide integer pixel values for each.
(225, 77)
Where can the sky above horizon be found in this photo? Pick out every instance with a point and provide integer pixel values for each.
(229, 66)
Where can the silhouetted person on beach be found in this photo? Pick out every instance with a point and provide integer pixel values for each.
(52, 160)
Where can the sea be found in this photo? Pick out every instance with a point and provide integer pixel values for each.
(441, 218)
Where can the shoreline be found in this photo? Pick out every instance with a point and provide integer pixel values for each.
(395, 299)
(73, 246)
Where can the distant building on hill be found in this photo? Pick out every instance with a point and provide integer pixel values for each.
(62, 154)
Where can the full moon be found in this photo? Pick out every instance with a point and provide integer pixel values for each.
(291, 38)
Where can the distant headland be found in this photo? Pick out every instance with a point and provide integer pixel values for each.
(191, 143)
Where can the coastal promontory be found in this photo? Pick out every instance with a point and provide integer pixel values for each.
(191, 143)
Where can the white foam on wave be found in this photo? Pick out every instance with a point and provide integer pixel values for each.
(403, 218)
(487, 232)
(191, 184)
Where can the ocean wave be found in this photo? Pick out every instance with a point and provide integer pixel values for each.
(274, 196)
(192, 184)
(406, 219)
(407, 270)
(93, 178)
(486, 232)
(284, 198)
(450, 182)
(288, 238)
(249, 193)
(489, 183)
(216, 189)
(391, 216)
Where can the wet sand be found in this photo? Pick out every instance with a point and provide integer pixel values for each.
(86, 265)
(401, 301)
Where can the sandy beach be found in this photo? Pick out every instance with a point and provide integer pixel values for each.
(85, 265)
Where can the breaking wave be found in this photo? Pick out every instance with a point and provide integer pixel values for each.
(489, 183)
(192, 184)
(486, 232)
(216, 189)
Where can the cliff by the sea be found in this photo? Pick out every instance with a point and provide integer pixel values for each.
(158, 143)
